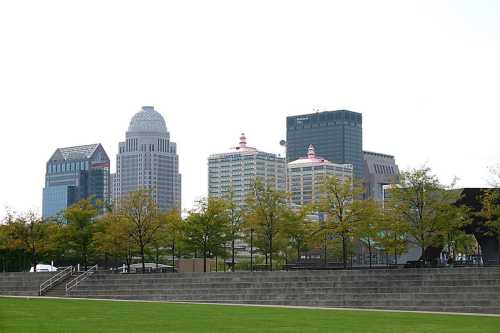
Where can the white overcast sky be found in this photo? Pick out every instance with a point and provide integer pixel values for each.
(424, 74)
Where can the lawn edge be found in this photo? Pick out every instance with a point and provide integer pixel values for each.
(263, 306)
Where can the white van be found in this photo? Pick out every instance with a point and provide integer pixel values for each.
(44, 268)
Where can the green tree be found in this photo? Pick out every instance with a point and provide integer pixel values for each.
(80, 229)
(3, 246)
(337, 202)
(490, 212)
(368, 225)
(28, 232)
(298, 229)
(113, 237)
(207, 227)
(140, 210)
(266, 209)
(393, 235)
(175, 232)
(234, 214)
(426, 205)
(160, 238)
(3, 236)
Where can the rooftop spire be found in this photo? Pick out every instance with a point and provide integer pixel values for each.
(311, 153)
(243, 140)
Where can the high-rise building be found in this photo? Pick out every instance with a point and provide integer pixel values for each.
(238, 169)
(147, 159)
(306, 175)
(380, 170)
(336, 135)
(75, 173)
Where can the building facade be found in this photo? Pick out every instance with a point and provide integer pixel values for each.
(238, 169)
(148, 159)
(306, 175)
(75, 173)
(379, 170)
(336, 135)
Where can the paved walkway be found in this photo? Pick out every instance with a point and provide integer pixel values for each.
(264, 306)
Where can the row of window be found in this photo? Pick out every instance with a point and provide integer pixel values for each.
(68, 167)
(384, 169)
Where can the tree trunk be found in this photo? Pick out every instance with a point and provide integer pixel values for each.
(204, 259)
(325, 252)
(251, 250)
(85, 257)
(271, 254)
(173, 254)
(370, 252)
(423, 248)
(498, 244)
(142, 259)
(129, 259)
(344, 252)
(157, 256)
(33, 259)
(232, 256)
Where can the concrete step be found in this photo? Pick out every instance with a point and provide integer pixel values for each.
(349, 273)
(284, 289)
(472, 290)
(141, 280)
(410, 285)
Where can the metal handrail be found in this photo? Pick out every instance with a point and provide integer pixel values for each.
(56, 278)
(73, 283)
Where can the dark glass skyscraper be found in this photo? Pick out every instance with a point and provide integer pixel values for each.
(336, 135)
(75, 173)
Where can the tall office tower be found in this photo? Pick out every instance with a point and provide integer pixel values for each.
(147, 159)
(75, 173)
(306, 175)
(380, 170)
(238, 169)
(336, 135)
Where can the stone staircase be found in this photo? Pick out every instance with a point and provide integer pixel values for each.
(22, 283)
(59, 290)
(453, 289)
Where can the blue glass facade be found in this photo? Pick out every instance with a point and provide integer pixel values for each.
(56, 199)
(336, 135)
(73, 174)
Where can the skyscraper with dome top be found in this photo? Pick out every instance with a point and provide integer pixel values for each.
(148, 159)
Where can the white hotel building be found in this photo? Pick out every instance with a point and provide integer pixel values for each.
(238, 169)
(306, 174)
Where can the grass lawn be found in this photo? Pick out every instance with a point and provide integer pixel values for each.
(53, 315)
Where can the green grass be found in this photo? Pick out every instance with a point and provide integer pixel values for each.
(54, 315)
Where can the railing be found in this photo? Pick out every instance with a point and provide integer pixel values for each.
(56, 278)
(73, 283)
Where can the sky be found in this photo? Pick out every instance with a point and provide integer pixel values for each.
(424, 74)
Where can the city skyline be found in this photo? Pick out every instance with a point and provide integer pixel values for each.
(424, 76)
(191, 204)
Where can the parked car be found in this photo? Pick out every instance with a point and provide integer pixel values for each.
(44, 268)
